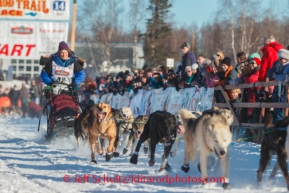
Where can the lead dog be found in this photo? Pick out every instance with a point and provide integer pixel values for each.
(97, 122)
(161, 127)
(211, 134)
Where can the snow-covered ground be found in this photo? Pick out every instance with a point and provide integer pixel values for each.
(29, 165)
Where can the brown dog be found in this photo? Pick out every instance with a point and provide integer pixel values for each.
(103, 126)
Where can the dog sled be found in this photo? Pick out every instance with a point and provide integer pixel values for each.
(61, 110)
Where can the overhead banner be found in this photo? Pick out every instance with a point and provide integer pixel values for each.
(35, 9)
(30, 40)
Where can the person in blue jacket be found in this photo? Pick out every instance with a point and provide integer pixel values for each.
(188, 59)
(280, 74)
(63, 66)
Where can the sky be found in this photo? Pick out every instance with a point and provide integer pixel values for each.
(187, 13)
(199, 12)
(203, 11)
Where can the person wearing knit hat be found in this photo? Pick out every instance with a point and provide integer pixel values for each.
(195, 66)
(254, 55)
(194, 77)
(280, 73)
(63, 46)
(251, 75)
(63, 67)
(227, 73)
(257, 61)
(254, 65)
(283, 54)
(226, 61)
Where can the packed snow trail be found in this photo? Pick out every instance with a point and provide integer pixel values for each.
(29, 165)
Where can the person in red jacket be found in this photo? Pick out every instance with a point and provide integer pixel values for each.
(252, 93)
(253, 74)
(250, 75)
(270, 51)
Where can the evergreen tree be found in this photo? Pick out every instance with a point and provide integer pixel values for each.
(156, 44)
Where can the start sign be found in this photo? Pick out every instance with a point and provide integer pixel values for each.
(16, 49)
(30, 40)
(35, 9)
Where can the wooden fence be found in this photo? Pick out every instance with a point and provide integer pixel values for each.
(239, 105)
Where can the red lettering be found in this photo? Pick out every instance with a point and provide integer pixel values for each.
(17, 48)
(6, 3)
(33, 6)
(29, 47)
(36, 5)
(18, 13)
(11, 12)
(18, 4)
(4, 12)
(44, 8)
(25, 5)
(4, 50)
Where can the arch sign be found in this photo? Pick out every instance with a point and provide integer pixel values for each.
(35, 9)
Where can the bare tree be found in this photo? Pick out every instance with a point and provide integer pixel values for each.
(136, 15)
(229, 6)
(101, 23)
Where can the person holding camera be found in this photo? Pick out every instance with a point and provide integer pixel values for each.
(63, 65)
(188, 59)
(155, 78)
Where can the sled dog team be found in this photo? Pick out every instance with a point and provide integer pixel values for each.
(209, 132)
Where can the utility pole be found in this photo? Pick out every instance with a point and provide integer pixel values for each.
(73, 27)
(193, 40)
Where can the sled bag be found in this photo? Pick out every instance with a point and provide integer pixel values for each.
(64, 104)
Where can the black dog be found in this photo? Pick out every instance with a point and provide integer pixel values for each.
(274, 141)
(161, 127)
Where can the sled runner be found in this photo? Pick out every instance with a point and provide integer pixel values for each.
(61, 109)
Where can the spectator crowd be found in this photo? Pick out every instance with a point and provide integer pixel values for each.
(193, 71)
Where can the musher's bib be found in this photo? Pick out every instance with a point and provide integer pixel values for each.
(62, 74)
